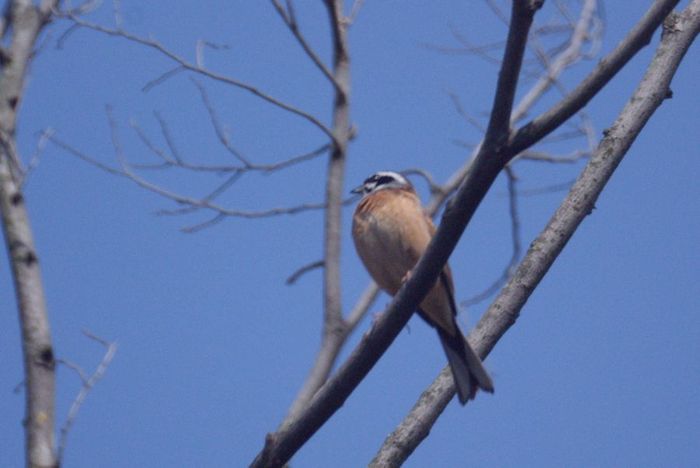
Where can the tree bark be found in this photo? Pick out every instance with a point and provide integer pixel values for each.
(27, 21)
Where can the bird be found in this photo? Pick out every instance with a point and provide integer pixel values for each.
(391, 232)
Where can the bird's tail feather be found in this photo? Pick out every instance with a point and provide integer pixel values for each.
(467, 369)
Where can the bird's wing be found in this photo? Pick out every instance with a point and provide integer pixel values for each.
(439, 306)
(467, 369)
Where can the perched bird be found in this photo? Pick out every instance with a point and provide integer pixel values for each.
(391, 232)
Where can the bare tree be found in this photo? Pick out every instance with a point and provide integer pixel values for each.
(501, 144)
(548, 64)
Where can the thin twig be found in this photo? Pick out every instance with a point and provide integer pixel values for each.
(471, 120)
(194, 228)
(220, 189)
(363, 304)
(515, 242)
(117, 12)
(162, 78)
(500, 14)
(126, 171)
(218, 128)
(290, 20)
(165, 131)
(355, 10)
(541, 156)
(34, 159)
(87, 384)
(547, 189)
(481, 51)
(564, 59)
(433, 186)
(155, 45)
(608, 67)
(169, 162)
(303, 270)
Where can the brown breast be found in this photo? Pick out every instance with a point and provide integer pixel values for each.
(391, 232)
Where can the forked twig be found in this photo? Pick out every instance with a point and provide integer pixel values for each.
(88, 382)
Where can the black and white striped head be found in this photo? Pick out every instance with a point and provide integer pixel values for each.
(383, 180)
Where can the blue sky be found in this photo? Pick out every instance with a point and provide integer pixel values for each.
(600, 370)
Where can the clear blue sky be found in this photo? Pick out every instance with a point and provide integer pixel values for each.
(601, 369)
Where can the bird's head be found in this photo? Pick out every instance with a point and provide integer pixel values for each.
(383, 180)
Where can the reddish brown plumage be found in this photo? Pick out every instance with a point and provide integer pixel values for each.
(391, 232)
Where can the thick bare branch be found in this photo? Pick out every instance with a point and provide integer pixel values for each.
(522, 14)
(579, 33)
(334, 326)
(26, 21)
(680, 31)
(554, 66)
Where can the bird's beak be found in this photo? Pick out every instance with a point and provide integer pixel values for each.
(359, 189)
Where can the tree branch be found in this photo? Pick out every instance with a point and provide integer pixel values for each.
(87, 384)
(530, 98)
(282, 445)
(206, 203)
(185, 64)
(594, 82)
(294, 277)
(569, 55)
(680, 31)
(26, 21)
(522, 14)
(289, 18)
(515, 242)
(334, 327)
